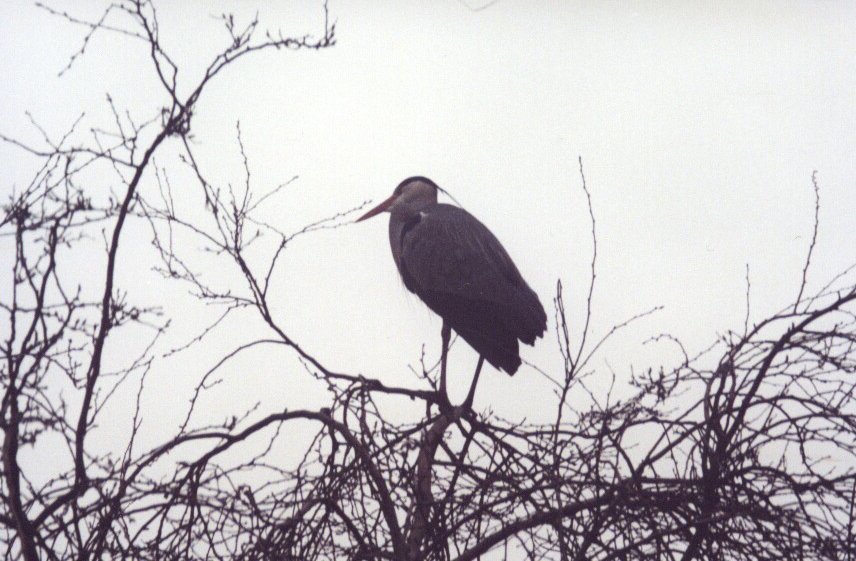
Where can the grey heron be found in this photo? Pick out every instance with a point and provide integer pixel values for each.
(462, 273)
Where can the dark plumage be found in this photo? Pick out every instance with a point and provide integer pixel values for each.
(461, 271)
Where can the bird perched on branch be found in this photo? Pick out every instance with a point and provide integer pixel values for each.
(461, 271)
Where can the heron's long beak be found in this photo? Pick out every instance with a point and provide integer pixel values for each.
(378, 209)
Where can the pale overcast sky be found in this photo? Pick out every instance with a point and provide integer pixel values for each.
(699, 125)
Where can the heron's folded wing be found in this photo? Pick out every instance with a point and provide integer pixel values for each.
(448, 252)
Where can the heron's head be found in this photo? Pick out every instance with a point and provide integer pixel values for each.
(414, 192)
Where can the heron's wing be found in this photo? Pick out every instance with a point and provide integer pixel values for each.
(459, 268)
(446, 249)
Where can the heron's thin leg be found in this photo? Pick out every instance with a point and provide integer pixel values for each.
(472, 393)
(445, 334)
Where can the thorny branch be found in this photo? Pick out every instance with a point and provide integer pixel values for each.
(743, 451)
(57, 338)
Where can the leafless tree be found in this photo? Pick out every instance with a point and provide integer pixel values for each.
(743, 451)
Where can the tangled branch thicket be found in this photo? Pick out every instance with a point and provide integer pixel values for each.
(744, 451)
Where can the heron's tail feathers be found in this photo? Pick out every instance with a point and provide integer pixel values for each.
(531, 319)
(492, 328)
(500, 350)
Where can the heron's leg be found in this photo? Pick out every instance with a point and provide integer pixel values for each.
(445, 334)
(472, 393)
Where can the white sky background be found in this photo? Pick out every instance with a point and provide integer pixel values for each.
(699, 126)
